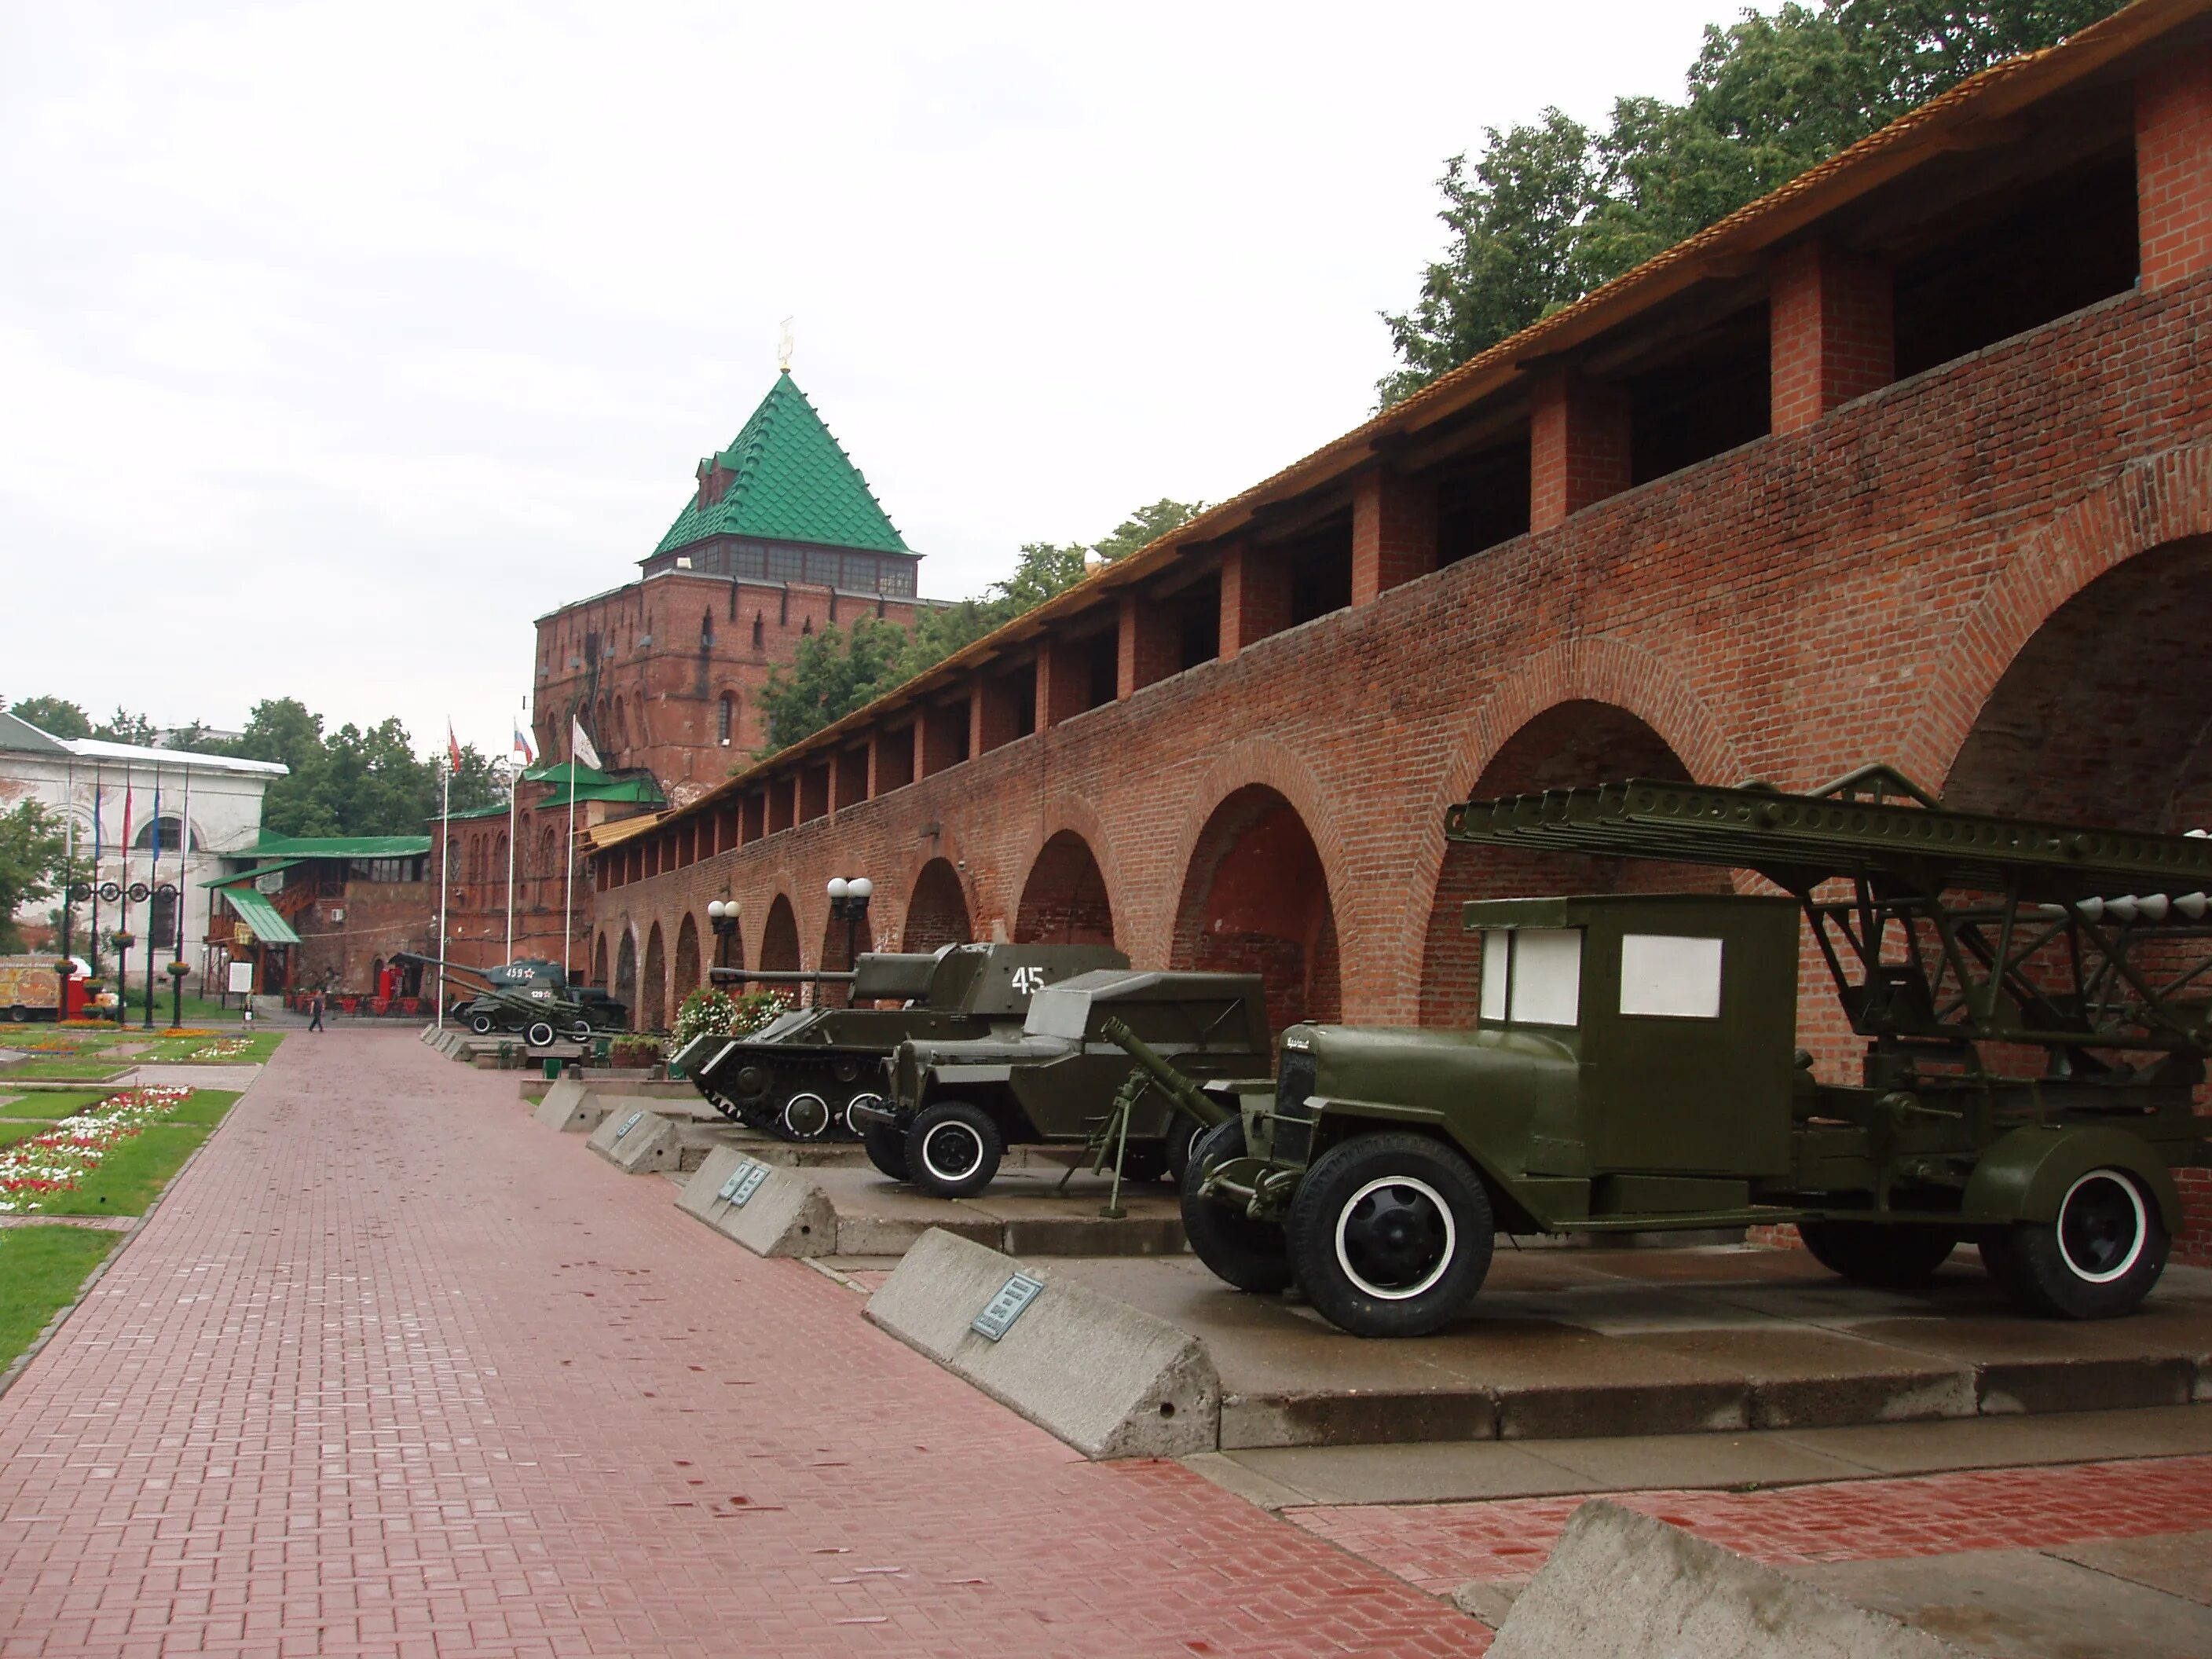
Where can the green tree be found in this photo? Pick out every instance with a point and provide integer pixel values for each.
(34, 848)
(54, 716)
(1551, 211)
(123, 726)
(831, 674)
(1140, 529)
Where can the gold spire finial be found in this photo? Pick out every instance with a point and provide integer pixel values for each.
(783, 346)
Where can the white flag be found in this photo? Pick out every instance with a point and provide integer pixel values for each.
(579, 747)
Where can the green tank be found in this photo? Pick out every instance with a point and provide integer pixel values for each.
(954, 1107)
(802, 1076)
(2032, 1000)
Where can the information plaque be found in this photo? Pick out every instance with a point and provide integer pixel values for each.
(629, 1123)
(1004, 1308)
(744, 1180)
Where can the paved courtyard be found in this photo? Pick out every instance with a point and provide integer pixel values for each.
(394, 1371)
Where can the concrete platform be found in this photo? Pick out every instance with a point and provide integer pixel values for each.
(1022, 1213)
(1699, 1342)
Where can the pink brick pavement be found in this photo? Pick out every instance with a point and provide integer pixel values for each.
(394, 1371)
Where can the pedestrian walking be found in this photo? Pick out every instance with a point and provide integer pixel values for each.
(315, 1012)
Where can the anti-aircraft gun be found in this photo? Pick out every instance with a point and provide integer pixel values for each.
(2034, 1003)
(802, 1076)
(530, 995)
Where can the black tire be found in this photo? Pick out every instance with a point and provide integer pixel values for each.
(805, 1115)
(540, 1034)
(19, 1015)
(1252, 1255)
(953, 1148)
(886, 1149)
(580, 1031)
(1184, 1135)
(1897, 1255)
(482, 1025)
(2098, 1261)
(1390, 1235)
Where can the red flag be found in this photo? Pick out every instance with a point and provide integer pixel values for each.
(453, 748)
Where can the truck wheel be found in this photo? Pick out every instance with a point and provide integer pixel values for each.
(853, 1125)
(1390, 1235)
(1252, 1255)
(806, 1117)
(2099, 1259)
(540, 1034)
(580, 1031)
(953, 1148)
(1184, 1135)
(887, 1151)
(481, 1024)
(1901, 1256)
(19, 1015)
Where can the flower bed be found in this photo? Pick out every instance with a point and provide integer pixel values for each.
(32, 1170)
(228, 1049)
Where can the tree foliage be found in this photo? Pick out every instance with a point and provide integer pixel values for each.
(1551, 210)
(842, 669)
(34, 844)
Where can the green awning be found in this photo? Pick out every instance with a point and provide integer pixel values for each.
(254, 874)
(258, 913)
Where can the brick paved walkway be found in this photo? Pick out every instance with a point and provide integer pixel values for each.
(1439, 1547)
(393, 1371)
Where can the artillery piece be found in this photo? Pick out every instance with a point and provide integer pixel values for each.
(803, 1075)
(2034, 1001)
(531, 996)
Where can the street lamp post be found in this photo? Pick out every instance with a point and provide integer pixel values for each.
(722, 917)
(848, 900)
(122, 942)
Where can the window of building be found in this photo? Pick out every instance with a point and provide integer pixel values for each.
(172, 831)
(760, 629)
(726, 719)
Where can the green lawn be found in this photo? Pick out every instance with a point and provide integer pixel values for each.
(13, 1129)
(48, 1103)
(206, 1107)
(132, 1176)
(40, 1268)
(178, 1051)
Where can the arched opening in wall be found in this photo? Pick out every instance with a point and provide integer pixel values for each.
(842, 941)
(2102, 717)
(1567, 746)
(654, 989)
(779, 943)
(687, 962)
(499, 864)
(1255, 900)
(549, 866)
(1064, 901)
(626, 978)
(938, 913)
(600, 963)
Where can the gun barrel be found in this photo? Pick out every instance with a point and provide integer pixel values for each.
(1180, 1089)
(777, 976)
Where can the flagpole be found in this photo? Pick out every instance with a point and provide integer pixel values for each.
(445, 876)
(569, 896)
(183, 889)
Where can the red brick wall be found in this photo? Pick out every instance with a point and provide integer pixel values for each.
(1854, 590)
(1834, 335)
(2174, 168)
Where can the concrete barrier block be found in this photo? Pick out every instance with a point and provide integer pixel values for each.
(1110, 1379)
(569, 1107)
(1621, 1585)
(637, 1141)
(777, 1212)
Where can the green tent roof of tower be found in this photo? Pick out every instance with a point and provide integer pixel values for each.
(791, 482)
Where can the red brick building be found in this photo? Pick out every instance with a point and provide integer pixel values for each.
(1911, 460)
(781, 537)
(327, 913)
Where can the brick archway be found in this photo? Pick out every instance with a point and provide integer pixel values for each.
(626, 973)
(1255, 900)
(841, 942)
(779, 950)
(2152, 502)
(653, 984)
(936, 909)
(1581, 741)
(1066, 899)
(600, 962)
(686, 967)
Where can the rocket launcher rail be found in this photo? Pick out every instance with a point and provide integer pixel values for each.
(1959, 927)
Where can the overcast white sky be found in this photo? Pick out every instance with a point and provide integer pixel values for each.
(339, 341)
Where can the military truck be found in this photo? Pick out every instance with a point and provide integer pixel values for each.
(802, 1076)
(530, 995)
(953, 1107)
(2032, 1000)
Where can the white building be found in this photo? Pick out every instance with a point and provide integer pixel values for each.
(163, 794)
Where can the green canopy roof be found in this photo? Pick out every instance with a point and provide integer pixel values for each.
(592, 785)
(258, 913)
(793, 482)
(342, 847)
